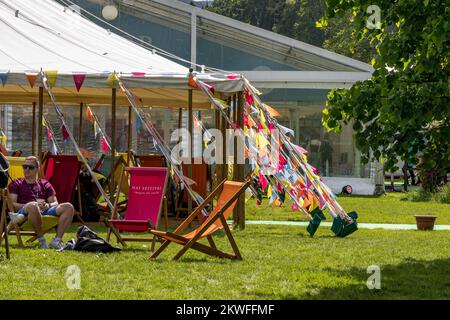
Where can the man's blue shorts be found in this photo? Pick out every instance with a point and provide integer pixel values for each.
(49, 212)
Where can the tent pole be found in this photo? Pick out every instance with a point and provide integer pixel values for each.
(80, 127)
(113, 139)
(41, 114)
(129, 136)
(235, 156)
(240, 168)
(33, 130)
(191, 156)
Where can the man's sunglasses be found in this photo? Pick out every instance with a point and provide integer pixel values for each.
(26, 166)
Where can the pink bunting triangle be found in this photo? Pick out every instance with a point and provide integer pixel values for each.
(78, 79)
(49, 134)
(262, 181)
(65, 133)
(104, 145)
(248, 97)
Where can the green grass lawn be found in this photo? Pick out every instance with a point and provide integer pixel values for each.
(371, 209)
(280, 262)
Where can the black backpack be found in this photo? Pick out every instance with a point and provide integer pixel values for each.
(89, 241)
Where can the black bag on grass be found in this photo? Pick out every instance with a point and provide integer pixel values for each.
(89, 241)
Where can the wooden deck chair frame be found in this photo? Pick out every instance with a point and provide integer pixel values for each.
(107, 186)
(3, 223)
(120, 238)
(193, 243)
(14, 229)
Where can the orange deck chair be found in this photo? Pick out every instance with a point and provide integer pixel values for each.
(143, 211)
(217, 219)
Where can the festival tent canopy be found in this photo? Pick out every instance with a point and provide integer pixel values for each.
(73, 51)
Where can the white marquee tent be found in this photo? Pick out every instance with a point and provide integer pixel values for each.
(44, 35)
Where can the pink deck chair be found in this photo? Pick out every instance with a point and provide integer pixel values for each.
(145, 198)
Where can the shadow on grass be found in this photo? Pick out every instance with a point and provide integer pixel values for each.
(411, 279)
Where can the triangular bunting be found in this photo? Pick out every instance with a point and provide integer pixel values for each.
(4, 76)
(112, 79)
(78, 79)
(89, 115)
(51, 77)
(32, 77)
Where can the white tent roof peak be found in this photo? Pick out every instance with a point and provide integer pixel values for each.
(44, 35)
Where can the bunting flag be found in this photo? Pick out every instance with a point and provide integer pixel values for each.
(4, 76)
(112, 80)
(3, 138)
(232, 76)
(32, 77)
(105, 147)
(248, 97)
(49, 134)
(274, 113)
(192, 82)
(210, 88)
(51, 77)
(78, 79)
(138, 74)
(87, 153)
(97, 129)
(89, 115)
(54, 148)
(65, 134)
(138, 123)
(263, 181)
(221, 103)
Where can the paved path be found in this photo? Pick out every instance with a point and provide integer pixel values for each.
(387, 226)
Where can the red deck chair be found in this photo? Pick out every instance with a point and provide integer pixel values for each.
(62, 172)
(145, 197)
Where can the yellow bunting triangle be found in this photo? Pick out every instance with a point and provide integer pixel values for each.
(51, 77)
(221, 103)
(112, 79)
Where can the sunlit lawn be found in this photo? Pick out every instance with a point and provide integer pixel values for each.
(371, 209)
(280, 262)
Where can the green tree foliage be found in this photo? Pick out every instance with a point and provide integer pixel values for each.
(339, 38)
(292, 18)
(404, 109)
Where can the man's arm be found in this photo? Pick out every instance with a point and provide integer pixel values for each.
(13, 197)
(52, 201)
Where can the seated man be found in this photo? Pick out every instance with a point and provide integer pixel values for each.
(34, 198)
